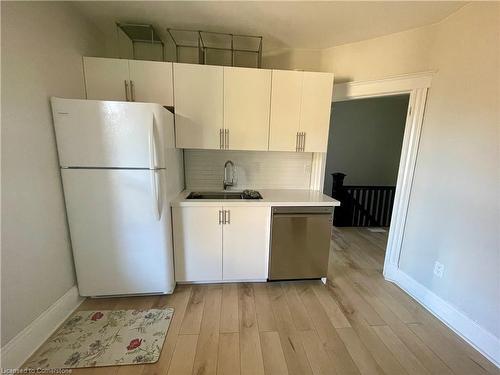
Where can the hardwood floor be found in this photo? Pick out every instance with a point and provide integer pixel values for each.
(357, 324)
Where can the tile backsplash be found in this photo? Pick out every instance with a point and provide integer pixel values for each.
(204, 169)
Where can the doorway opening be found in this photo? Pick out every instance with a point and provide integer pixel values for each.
(417, 86)
(363, 158)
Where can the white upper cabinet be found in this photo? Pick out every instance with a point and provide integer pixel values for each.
(315, 111)
(198, 100)
(246, 243)
(106, 79)
(151, 82)
(286, 96)
(247, 103)
(220, 107)
(300, 111)
(129, 80)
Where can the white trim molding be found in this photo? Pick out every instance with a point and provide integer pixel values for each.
(404, 183)
(382, 87)
(318, 167)
(26, 342)
(479, 338)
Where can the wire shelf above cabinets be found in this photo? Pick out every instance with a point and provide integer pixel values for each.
(217, 48)
(143, 34)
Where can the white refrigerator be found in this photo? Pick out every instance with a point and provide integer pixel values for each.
(119, 169)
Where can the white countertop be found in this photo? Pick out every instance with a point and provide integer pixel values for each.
(271, 197)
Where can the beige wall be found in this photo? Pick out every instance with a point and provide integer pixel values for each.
(455, 203)
(42, 45)
(454, 214)
(293, 59)
(394, 54)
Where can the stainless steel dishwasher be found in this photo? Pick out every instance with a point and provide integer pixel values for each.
(300, 242)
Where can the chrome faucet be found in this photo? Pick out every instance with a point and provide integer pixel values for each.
(226, 181)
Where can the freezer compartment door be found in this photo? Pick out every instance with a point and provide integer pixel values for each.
(300, 245)
(108, 134)
(120, 227)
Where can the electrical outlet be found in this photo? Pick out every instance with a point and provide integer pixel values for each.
(438, 269)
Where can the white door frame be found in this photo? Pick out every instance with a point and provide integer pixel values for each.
(417, 86)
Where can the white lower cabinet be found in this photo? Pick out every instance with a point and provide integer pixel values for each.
(245, 241)
(215, 243)
(197, 243)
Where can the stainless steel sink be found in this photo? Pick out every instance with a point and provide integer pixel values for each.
(215, 195)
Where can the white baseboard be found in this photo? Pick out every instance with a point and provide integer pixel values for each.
(482, 340)
(26, 342)
(221, 281)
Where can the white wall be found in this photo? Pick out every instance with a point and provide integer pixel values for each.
(204, 169)
(42, 45)
(455, 202)
(365, 140)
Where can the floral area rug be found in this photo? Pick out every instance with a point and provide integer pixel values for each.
(105, 338)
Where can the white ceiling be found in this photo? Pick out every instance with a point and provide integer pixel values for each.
(300, 24)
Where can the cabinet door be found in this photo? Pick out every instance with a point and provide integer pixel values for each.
(246, 243)
(286, 94)
(198, 97)
(247, 101)
(315, 110)
(197, 243)
(105, 78)
(151, 82)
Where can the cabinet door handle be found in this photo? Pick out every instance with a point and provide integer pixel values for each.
(126, 90)
(221, 139)
(226, 139)
(132, 91)
(303, 141)
(297, 142)
(220, 217)
(228, 217)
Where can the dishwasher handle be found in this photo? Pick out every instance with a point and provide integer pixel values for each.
(287, 216)
(301, 211)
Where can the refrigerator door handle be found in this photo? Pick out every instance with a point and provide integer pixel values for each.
(156, 197)
(153, 156)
